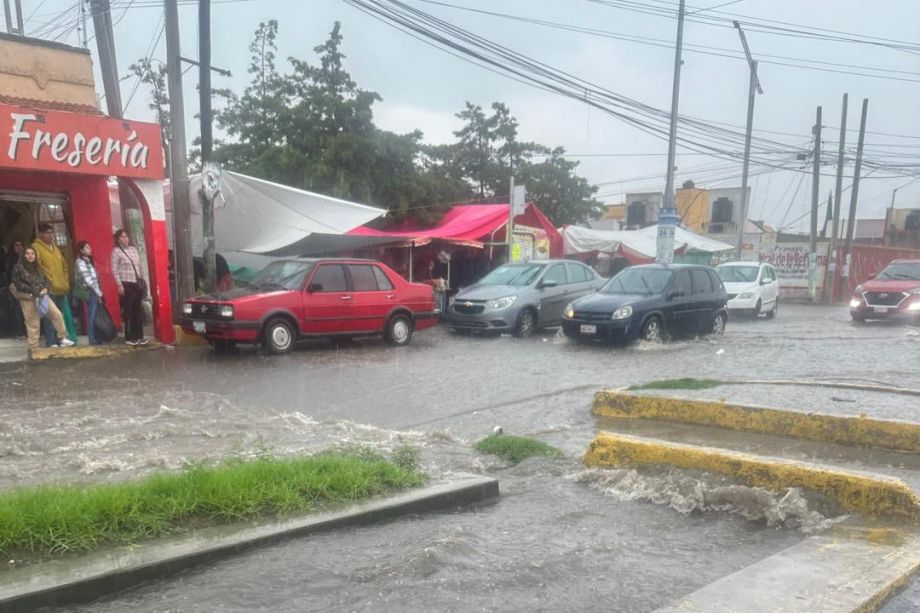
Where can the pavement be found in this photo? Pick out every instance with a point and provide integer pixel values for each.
(117, 418)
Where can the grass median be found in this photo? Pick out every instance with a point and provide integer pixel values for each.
(54, 520)
(515, 449)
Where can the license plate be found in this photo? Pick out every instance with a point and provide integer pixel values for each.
(882, 310)
(199, 327)
(587, 329)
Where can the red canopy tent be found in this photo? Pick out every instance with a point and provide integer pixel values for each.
(471, 225)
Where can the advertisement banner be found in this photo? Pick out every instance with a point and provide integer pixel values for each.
(57, 141)
(790, 260)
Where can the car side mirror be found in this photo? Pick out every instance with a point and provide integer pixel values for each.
(315, 287)
(548, 283)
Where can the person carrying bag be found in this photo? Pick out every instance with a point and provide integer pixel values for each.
(132, 288)
(30, 288)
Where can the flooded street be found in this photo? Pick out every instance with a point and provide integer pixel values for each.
(559, 535)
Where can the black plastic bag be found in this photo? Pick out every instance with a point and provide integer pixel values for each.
(103, 325)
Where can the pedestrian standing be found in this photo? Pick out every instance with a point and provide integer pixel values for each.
(54, 265)
(132, 288)
(86, 287)
(17, 322)
(30, 287)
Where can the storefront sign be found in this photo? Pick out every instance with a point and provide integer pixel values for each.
(56, 141)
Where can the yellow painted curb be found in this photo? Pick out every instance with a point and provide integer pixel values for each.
(88, 351)
(856, 492)
(886, 434)
(186, 339)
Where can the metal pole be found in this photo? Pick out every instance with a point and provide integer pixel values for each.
(753, 87)
(667, 217)
(510, 217)
(813, 234)
(181, 207)
(19, 17)
(8, 13)
(889, 230)
(854, 193)
(207, 144)
(838, 198)
(84, 37)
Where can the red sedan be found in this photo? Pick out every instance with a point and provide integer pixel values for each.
(298, 298)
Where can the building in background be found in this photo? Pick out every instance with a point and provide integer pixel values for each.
(642, 209)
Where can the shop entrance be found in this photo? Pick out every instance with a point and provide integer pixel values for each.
(20, 215)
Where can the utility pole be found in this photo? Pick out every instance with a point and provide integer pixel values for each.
(753, 87)
(854, 194)
(84, 36)
(838, 198)
(207, 143)
(667, 217)
(813, 235)
(178, 162)
(8, 12)
(511, 216)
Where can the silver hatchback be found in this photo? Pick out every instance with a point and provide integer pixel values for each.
(520, 298)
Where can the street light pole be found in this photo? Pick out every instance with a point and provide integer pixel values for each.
(753, 88)
(667, 218)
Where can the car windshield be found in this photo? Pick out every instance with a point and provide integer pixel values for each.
(638, 281)
(738, 274)
(517, 275)
(286, 274)
(901, 271)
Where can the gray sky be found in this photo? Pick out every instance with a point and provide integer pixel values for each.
(423, 87)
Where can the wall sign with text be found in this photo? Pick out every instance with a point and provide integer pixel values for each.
(57, 141)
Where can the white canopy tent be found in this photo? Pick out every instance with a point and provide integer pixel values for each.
(254, 216)
(642, 243)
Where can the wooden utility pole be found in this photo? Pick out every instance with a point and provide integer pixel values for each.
(854, 193)
(667, 216)
(813, 235)
(838, 198)
(207, 141)
(8, 13)
(753, 89)
(178, 161)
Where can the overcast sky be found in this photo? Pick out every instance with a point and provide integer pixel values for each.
(423, 87)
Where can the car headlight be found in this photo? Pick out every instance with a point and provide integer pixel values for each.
(187, 308)
(502, 303)
(622, 313)
(914, 306)
(745, 296)
(569, 312)
(226, 311)
(855, 303)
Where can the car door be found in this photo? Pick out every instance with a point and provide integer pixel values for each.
(679, 312)
(580, 280)
(704, 300)
(553, 299)
(328, 301)
(372, 296)
(771, 285)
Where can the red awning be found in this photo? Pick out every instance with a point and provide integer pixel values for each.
(471, 225)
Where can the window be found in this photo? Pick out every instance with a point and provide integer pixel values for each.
(702, 284)
(768, 275)
(716, 281)
(722, 210)
(362, 277)
(682, 283)
(515, 275)
(646, 281)
(331, 277)
(383, 282)
(555, 273)
(578, 273)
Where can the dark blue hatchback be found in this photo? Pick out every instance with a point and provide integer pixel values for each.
(651, 302)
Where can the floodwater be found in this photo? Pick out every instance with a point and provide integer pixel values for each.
(559, 537)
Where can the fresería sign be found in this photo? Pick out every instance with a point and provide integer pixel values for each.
(57, 141)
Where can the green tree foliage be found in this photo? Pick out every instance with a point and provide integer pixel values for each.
(154, 76)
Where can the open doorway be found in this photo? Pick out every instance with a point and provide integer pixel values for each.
(20, 215)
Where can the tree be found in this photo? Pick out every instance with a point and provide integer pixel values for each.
(155, 77)
(562, 195)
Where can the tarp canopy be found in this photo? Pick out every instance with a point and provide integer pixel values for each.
(470, 225)
(635, 244)
(317, 243)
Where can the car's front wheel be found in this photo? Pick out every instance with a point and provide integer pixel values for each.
(756, 312)
(652, 330)
(526, 323)
(771, 314)
(718, 324)
(398, 331)
(278, 336)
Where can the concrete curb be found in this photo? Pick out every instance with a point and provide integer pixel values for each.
(66, 582)
(88, 351)
(822, 574)
(865, 493)
(186, 339)
(885, 434)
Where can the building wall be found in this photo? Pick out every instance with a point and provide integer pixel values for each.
(41, 71)
(693, 208)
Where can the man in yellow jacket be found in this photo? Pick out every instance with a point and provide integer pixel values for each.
(54, 265)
